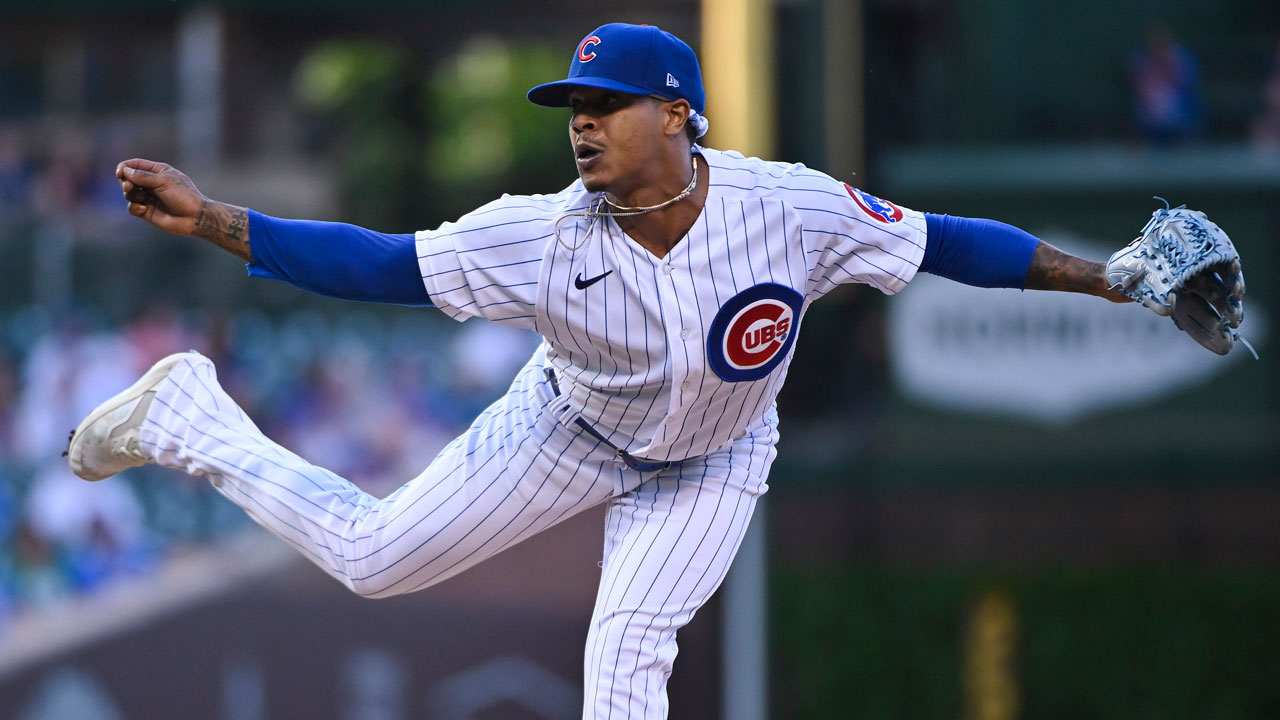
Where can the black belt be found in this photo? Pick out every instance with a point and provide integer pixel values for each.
(632, 461)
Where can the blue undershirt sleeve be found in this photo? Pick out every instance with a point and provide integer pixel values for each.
(983, 253)
(337, 260)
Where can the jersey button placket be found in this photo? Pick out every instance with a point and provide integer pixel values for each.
(677, 298)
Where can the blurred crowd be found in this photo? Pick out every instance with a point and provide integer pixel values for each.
(371, 400)
(60, 171)
(1167, 88)
(1168, 104)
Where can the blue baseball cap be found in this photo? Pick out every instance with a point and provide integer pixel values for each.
(636, 59)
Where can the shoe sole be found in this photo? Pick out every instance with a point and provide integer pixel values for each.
(144, 384)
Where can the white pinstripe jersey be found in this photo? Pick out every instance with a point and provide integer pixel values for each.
(673, 357)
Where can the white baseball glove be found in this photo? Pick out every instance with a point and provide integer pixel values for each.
(1184, 266)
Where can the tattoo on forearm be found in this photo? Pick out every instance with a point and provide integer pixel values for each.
(237, 226)
(200, 216)
(1052, 269)
(226, 226)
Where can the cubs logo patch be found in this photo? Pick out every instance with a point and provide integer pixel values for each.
(585, 54)
(882, 210)
(752, 333)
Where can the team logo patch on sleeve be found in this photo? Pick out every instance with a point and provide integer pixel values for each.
(753, 332)
(882, 210)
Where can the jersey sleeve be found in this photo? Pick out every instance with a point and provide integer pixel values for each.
(487, 263)
(851, 236)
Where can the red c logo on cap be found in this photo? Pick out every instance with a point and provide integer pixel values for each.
(585, 56)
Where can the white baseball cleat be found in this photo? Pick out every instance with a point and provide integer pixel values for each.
(106, 442)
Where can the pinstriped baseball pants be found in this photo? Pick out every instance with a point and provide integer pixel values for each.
(669, 536)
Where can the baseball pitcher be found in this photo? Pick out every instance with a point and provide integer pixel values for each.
(669, 283)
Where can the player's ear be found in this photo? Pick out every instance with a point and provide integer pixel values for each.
(675, 118)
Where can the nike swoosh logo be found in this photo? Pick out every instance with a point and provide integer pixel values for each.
(581, 284)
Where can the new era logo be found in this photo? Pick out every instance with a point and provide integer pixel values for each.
(672, 81)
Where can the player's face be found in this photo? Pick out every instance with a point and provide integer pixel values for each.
(615, 136)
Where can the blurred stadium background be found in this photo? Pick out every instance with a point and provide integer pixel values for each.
(988, 505)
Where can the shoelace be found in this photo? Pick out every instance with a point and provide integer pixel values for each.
(129, 448)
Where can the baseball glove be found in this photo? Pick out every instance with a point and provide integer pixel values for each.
(1184, 266)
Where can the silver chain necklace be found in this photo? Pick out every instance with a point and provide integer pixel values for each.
(597, 211)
